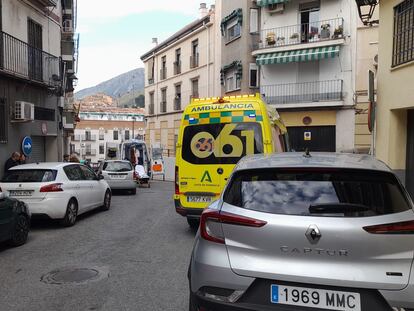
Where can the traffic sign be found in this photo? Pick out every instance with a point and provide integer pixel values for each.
(27, 146)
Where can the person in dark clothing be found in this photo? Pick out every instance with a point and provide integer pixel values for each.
(12, 161)
(22, 159)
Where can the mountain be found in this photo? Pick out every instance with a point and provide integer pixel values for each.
(129, 82)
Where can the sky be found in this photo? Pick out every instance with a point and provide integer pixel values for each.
(114, 34)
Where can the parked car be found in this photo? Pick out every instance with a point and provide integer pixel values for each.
(14, 220)
(58, 190)
(321, 231)
(119, 174)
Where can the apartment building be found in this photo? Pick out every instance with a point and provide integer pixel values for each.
(99, 130)
(177, 69)
(31, 78)
(395, 109)
(237, 38)
(306, 54)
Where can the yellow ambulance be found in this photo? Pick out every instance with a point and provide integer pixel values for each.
(215, 134)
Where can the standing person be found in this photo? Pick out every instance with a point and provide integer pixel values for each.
(66, 158)
(12, 161)
(22, 159)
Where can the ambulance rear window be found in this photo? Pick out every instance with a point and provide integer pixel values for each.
(224, 143)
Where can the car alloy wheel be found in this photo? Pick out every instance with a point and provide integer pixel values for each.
(71, 214)
(21, 230)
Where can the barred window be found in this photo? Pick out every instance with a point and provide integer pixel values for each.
(403, 49)
(3, 121)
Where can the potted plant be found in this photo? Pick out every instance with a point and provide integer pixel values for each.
(280, 40)
(294, 38)
(270, 38)
(338, 32)
(325, 31)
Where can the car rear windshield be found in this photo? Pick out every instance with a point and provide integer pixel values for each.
(310, 192)
(28, 176)
(117, 167)
(223, 143)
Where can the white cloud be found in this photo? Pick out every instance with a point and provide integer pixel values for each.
(102, 9)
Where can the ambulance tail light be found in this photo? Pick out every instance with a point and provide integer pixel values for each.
(177, 186)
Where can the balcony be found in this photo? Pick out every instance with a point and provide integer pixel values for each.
(194, 61)
(44, 3)
(318, 93)
(163, 73)
(21, 60)
(84, 138)
(177, 68)
(285, 36)
(177, 103)
(151, 109)
(163, 106)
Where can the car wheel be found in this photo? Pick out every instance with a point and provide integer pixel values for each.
(107, 201)
(71, 214)
(134, 191)
(193, 223)
(20, 231)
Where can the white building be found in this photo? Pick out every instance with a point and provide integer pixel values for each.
(307, 62)
(102, 129)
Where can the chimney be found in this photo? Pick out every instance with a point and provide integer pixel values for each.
(203, 10)
(155, 41)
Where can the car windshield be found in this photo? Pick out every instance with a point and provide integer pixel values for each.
(317, 192)
(29, 176)
(117, 166)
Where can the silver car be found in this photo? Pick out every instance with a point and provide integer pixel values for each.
(306, 232)
(119, 174)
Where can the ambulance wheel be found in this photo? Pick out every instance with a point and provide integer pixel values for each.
(193, 223)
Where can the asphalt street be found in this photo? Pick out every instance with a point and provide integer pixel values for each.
(135, 256)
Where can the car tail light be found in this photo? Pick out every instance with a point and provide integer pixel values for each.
(216, 216)
(404, 227)
(177, 187)
(52, 188)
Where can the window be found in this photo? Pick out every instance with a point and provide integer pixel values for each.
(101, 149)
(73, 172)
(88, 135)
(309, 19)
(254, 20)
(403, 43)
(44, 114)
(312, 192)
(117, 166)
(127, 137)
(29, 176)
(163, 72)
(194, 88)
(101, 134)
(177, 99)
(194, 58)
(151, 67)
(88, 174)
(253, 76)
(151, 103)
(177, 63)
(115, 134)
(233, 30)
(35, 57)
(3, 121)
(232, 80)
(163, 104)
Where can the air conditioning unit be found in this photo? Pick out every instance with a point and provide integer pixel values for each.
(276, 8)
(23, 111)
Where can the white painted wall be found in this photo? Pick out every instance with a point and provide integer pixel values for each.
(345, 130)
(15, 16)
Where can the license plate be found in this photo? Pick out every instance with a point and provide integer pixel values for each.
(199, 199)
(315, 298)
(118, 176)
(20, 193)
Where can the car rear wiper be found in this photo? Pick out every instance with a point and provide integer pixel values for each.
(339, 208)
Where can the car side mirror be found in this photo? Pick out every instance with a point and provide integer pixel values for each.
(100, 177)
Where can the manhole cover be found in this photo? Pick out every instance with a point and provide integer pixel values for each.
(73, 275)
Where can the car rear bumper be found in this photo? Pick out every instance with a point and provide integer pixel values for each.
(187, 212)
(121, 184)
(54, 208)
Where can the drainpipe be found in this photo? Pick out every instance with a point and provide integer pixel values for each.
(208, 58)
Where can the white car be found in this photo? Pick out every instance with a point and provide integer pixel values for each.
(57, 190)
(119, 174)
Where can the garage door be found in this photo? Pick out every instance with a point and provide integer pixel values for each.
(314, 138)
(38, 149)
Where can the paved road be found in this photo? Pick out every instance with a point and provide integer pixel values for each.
(140, 243)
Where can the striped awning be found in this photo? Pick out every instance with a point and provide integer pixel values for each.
(298, 55)
(267, 2)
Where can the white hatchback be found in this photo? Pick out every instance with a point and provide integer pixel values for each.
(57, 190)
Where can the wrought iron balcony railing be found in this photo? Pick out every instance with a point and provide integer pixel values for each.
(163, 106)
(21, 60)
(177, 68)
(302, 33)
(177, 103)
(194, 61)
(308, 92)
